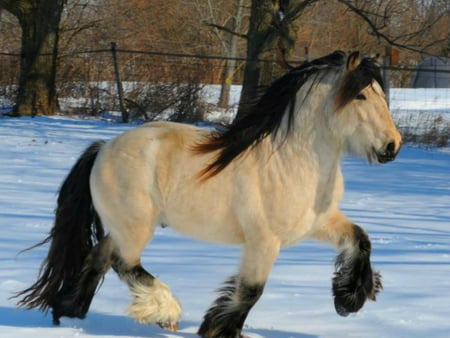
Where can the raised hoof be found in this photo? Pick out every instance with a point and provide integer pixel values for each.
(350, 294)
(168, 326)
(340, 310)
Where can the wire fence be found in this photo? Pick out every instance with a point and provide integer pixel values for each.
(86, 79)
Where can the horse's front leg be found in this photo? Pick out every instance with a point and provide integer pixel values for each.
(227, 315)
(354, 280)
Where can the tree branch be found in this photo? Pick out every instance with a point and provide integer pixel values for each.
(225, 29)
(294, 11)
(377, 27)
(15, 7)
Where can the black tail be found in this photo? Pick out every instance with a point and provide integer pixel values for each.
(76, 230)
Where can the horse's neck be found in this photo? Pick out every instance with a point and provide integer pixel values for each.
(304, 161)
(310, 135)
(309, 145)
(311, 162)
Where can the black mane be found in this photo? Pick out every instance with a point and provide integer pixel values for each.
(265, 116)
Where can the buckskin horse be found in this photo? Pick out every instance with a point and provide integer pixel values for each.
(270, 180)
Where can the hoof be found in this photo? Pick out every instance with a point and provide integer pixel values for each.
(155, 305)
(213, 334)
(350, 294)
(56, 320)
(67, 308)
(168, 326)
(340, 309)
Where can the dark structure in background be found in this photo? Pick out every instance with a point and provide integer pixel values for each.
(433, 72)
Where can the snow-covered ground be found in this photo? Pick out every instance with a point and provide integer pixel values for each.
(425, 100)
(404, 205)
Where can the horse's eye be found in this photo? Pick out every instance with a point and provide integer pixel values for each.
(360, 96)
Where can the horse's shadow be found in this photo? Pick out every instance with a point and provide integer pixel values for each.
(100, 324)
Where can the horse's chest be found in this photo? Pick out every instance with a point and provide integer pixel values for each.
(300, 226)
(297, 213)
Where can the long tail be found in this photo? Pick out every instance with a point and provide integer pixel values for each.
(76, 230)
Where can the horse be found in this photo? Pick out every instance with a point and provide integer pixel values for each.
(269, 180)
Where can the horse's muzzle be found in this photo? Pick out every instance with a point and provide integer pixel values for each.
(389, 153)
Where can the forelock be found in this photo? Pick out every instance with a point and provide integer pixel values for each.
(358, 79)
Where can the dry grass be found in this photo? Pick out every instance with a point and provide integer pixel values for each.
(426, 129)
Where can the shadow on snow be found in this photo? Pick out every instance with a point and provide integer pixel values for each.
(105, 324)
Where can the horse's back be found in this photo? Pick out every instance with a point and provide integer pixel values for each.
(140, 158)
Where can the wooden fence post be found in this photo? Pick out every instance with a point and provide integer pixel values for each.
(391, 58)
(123, 111)
(387, 73)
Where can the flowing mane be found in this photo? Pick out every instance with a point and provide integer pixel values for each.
(264, 117)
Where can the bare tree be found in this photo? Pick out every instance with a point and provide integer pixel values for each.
(228, 36)
(387, 20)
(272, 32)
(274, 25)
(39, 21)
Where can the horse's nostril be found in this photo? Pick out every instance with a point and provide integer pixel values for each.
(390, 149)
(388, 154)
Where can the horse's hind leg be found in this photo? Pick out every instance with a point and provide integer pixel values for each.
(226, 317)
(127, 210)
(354, 281)
(153, 301)
(75, 301)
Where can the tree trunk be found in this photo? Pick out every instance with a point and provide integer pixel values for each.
(39, 21)
(272, 31)
(230, 64)
(260, 46)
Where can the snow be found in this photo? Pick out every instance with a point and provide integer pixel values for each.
(403, 205)
(436, 100)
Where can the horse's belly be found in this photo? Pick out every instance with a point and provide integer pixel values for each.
(205, 226)
(203, 211)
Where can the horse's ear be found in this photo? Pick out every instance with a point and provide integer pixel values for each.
(378, 59)
(353, 61)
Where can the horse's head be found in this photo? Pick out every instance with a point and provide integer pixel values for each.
(362, 113)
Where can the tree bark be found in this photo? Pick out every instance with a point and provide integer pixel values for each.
(230, 64)
(39, 20)
(260, 46)
(272, 31)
